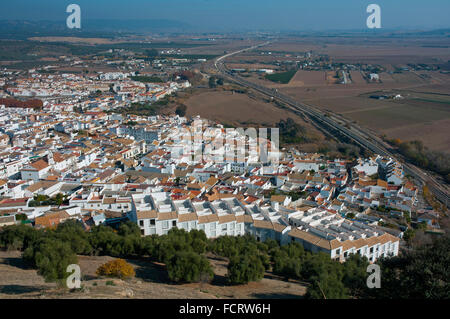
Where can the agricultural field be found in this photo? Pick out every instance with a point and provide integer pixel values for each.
(74, 40)
(418, 116)
(234, 109)
(282, 77)
(308, 78)
(252, 66)
(423, 114)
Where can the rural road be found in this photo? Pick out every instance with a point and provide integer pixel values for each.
(360, 136)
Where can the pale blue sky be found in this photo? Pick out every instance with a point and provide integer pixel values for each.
(244, 14)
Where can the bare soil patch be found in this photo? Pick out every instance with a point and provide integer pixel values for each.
(151, 282)
(228, 108)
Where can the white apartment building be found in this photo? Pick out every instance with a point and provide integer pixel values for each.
(157, 213)
(316, 229)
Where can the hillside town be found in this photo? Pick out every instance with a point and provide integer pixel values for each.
(100, 167)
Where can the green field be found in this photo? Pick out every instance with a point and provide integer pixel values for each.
(283, 77)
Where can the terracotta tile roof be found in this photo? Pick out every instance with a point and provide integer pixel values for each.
(226, 218)
(208, 218)
(248, 219)
(278, 227)
(262, 224)
(167, 216)
(146, 214)
(187, 217)
(39, 185)
(278, 198)
(240, 218)
(39, 165)
(311, 238)
(51, 219)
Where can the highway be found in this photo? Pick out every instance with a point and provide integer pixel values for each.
(358, 135)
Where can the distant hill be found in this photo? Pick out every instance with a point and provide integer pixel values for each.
(106, 28)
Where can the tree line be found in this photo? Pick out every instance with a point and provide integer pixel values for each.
(420, 273)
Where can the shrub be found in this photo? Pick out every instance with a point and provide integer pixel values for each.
(326, 286)
(116, 268)
(72, 232)
(181, 110)
(187, 266)
(244, 269)
(18, 237)
(51, 257)
(288, 260)
(178, 240)
(416, 274)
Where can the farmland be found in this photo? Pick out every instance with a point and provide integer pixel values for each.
(423, 113)
(235, 108)
(283, 77)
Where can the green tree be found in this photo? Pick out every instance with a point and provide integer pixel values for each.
(51, 258)
(18, 237)
(104, 241)
(408, 235)
(355, 274)
(181, 110)
(417, 274)
(212, 82)
(244, 269)
(326, 286)
(72, 232)
(350, 215)
(188, 266)
(59, 199)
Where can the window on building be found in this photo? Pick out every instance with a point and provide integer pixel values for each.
(371, 250)
(142, 232)
(224, 227)
(141, 223)
(165, 224)
(174, 223)
(152, 222)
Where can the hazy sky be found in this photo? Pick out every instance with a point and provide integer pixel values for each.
(244, 14)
